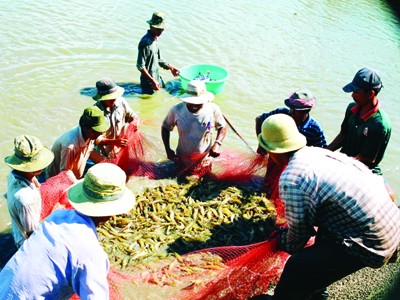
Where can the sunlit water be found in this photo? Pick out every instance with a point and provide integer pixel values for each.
(53, 52)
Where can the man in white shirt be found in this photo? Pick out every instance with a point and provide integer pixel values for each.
(23, 196)
(195, 117)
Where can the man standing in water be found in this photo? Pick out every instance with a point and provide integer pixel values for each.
(366, 128)
(335, 198)
(195, 117)
(149, 56)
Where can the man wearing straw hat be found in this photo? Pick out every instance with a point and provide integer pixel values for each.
(118, 113)
(23, 196)
(195, 117)
(149, 56)
(73, 148)
(335, 198)
(63, 256)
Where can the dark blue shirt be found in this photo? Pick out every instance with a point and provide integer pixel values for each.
(310, 128)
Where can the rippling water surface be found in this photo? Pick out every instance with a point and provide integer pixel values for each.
(53, 52)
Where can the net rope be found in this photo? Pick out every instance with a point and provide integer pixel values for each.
(245, 271)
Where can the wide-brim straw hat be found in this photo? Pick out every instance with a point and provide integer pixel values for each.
(102, 192)
(279, 134)
(196, 93)
(29, 155)
(158, 21)
(107, 89)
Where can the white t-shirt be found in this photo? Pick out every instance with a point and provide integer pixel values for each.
(194, 129)
(24, 205)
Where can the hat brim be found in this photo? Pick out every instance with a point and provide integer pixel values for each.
(102, 127)
(296, 107)
(82, 204)
(295, 143)
(159, 26)
(349, 88)
(46, 157)
(118, 93)
(202, 99)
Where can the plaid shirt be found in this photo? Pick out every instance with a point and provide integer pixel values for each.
(343, 197)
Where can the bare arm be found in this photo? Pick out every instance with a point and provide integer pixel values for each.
(215, 150)
(337, 143)
(165, 135)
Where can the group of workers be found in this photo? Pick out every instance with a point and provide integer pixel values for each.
(341, 198)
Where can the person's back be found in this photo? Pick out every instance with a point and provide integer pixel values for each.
(343, 197)
(53, 261)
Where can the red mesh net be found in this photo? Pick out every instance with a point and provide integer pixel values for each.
(247, 270)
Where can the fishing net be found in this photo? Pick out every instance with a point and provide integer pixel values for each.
(206, 239)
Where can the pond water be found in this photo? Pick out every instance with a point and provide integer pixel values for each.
(53, 52)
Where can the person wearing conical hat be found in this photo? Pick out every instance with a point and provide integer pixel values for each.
(63, 256)
(335, 198)
(119, 114)
(195, 117)
(23, 195)
(73, 148)
(149, 58)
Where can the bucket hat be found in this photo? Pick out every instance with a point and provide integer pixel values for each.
(93, 117)
(29, 154)
(102, 192)
(158, 20)
(365, 78)
(301, 100)
(107, 89)
(196, 93)
(279, 134)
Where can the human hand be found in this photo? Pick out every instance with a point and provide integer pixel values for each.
(171, 155)
(120, 142)
(215, 150)
(261, 150)
(156, 86)
(175, 72)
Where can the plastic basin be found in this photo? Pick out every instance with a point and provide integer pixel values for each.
(216, 75)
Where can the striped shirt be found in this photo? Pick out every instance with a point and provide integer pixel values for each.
(310, 128)
(343, 197)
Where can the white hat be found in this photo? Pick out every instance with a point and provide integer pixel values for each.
(102, 192)
(196, 93)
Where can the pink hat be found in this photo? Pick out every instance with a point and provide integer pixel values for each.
(301, 100)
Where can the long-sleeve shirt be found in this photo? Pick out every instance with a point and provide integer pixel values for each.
(24, 205)
(344, 198)
(71, 152)
(310, 128)
(149, 56)
(62, 257)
